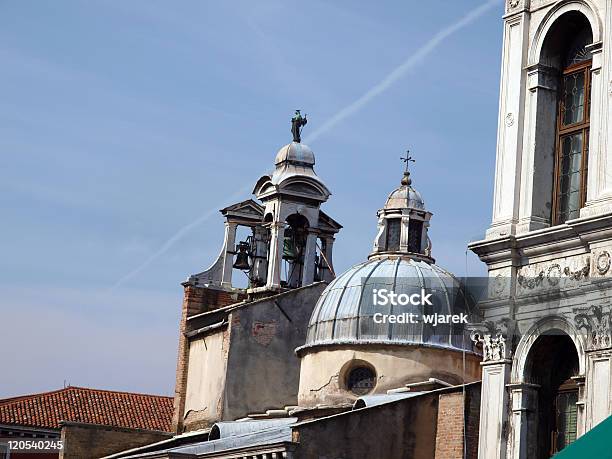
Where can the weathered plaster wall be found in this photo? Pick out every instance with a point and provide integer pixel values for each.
(323, 372)
(247, 365)
(92, 440)
(196, 300)
(206, 379)
(403, 429)
(263, 371)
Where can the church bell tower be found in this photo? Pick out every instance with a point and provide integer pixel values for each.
(291, 238)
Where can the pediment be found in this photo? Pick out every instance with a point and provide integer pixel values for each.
(326, 223)
(245, 208)
(305, 187)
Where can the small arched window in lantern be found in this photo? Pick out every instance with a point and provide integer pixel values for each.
(394, 229)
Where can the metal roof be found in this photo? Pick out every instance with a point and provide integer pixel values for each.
(231, 428)
(381, 399)
(405, 196)
(295, 152)
(235, 434)
(344, 312)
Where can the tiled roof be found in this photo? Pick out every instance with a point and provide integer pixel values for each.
(92, 406)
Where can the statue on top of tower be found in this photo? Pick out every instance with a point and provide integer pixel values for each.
(297, 122)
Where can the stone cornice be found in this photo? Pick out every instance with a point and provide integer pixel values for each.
(572, 235)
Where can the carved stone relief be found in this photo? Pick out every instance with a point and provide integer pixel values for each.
(596, 321)
(549, 275)
(602, 262)
(512, 5)
(496, 339)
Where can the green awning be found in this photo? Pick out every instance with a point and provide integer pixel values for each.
(596, 443)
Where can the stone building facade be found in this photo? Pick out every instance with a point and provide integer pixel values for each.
(546, 336)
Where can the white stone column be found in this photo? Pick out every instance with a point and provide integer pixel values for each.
(308, 270)
(524, 420)
(275, 254)
(492, 441)
(538, 149)
(598, 387)
(228, 258)
(594, 322)
(404, 233)
(599, 178)
(510, 126)
(496, 368)
(381, 235)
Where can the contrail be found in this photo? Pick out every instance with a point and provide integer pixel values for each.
(402, 69)
(344, 113)
(176, 237)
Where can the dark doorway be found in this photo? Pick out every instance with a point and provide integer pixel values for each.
(551, 364)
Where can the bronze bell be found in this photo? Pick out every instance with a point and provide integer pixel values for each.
(289, 248)
(242, 257)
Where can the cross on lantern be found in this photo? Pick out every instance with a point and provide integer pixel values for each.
(407, 159)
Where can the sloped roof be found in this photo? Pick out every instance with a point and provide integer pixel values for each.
(91, 406)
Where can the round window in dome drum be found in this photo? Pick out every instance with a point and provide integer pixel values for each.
(361, 380)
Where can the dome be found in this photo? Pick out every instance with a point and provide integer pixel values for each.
(297, 153)
(405, 196)
(345, 310)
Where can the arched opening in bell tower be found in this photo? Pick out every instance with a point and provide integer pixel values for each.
(551, 364)
(567, 61)
(294, 249)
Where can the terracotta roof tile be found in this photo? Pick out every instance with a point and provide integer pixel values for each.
(92, 406)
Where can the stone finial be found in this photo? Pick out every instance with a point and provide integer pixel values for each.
(406, 180)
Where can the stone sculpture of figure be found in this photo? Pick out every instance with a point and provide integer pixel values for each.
(296, 125)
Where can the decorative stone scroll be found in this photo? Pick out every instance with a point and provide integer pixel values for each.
(596, 320)
(580, 272)
(549, 275)
(495, 339)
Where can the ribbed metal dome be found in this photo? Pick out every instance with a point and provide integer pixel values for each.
(344, 312)
(405, 196)
(295, 152)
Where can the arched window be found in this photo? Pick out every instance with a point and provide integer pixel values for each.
(394, 229)
(572, 140)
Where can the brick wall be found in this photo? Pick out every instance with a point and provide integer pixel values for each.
(472, 425)
(83, 441)
(196, 300)
(449, 434)
(458, 415)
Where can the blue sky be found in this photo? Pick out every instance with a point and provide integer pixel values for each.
(122, 123)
